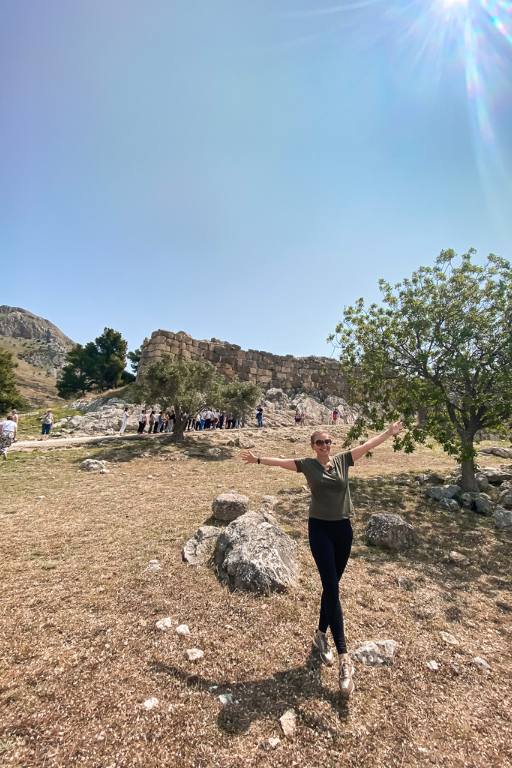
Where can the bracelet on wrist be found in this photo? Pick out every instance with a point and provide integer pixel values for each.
(259, 460)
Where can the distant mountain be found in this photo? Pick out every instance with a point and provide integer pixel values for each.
(40, 348)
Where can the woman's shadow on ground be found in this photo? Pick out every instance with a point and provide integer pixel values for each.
(270, 697)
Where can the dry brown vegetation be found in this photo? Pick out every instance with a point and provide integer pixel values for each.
(80, 652)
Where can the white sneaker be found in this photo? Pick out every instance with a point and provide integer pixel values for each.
(346, 682)
(321, 643)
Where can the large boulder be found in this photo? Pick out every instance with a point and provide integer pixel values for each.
(199, 549)
(228, 506)
(253, 554)
(390, 532)
(496, 475)
(504, 453)
(93, 465)
(505, 497)
(440, 492)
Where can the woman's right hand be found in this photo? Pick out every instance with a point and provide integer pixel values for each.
(248, 457)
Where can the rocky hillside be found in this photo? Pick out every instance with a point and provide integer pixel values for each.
(40, 349)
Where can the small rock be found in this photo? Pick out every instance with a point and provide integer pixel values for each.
(228, 506)
(452, 505)
(93, 465)
(502, 517)
(151, 703)
(268, 502)
(289, 723)
(226, 698)
(483, 504)
(481, 663)
(457, 558)
(273, 742)
(449, 638)
(153, 566)
(376, 652)
(433, 665)
(183, 629)
(164, 624)
(193, 654)
(104, 471)
(199, 549)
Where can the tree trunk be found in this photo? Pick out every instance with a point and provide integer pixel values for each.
(179, 428)
(469, 482)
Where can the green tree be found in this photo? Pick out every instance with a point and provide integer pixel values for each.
(439, 345)
(9, 395)
(111, 359)
(239, 397)
(79, 373)
(98, 365)
(134, 358)
(186, 385)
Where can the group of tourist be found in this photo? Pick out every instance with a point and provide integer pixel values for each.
(151, 422)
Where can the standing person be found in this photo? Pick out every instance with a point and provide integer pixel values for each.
(143, 420)
(298, 415)
(14, 417)
(7, 435)
(335, 415)
(151, 422)
(259, 416)
(330, 532)
(47, 424)
(124, 420)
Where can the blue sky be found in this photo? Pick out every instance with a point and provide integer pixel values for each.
(244, 168)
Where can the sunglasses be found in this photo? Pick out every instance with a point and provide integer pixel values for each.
(323, 442)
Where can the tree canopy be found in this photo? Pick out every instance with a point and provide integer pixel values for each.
(188, 386)
(9, 395)
(439, 345)
(99, 364)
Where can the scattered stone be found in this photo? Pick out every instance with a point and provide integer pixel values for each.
(502, 517)
(182, 629)
(439, 492)
(504, 453)
(193, 654)
(433, 665)
(481, 663)
(466, 499)
(93, 465)
(273, 742)
(199, 549)
(154, 566)
(228, 506)
(457, 558)
(496, 476)
(255, 555)
(269, 502)
(483, 504)
(505, 498)
(449, 638)
(376, 653)
(289, 723)
(244, 442)
(390, 532)
(452, 505)
(226, 698)
(164, 624)
(405, 583)
(151, 703)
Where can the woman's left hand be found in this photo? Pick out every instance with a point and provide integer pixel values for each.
(395, 428)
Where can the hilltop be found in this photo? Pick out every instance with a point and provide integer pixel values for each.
(39, 347)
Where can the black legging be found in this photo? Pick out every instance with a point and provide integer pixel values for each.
(330, 543)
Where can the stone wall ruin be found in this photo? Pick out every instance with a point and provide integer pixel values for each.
(314, 375)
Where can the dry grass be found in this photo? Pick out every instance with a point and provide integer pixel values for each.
(80, 651)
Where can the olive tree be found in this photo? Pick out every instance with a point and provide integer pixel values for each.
(439, 345)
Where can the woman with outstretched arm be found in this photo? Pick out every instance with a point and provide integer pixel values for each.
(330, 531)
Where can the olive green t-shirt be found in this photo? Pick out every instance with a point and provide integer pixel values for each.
(330, 492)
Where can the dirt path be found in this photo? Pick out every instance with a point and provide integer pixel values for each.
(67, 442)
